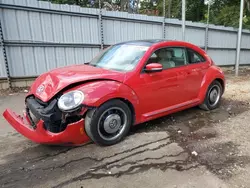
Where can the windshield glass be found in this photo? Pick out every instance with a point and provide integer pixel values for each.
(121, 57)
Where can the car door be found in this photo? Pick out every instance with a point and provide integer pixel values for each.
(159, 92)
(196, 69)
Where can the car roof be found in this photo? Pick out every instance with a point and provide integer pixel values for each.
(151, 42)
(148, 42)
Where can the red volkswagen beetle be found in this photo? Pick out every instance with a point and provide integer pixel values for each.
(126, 84)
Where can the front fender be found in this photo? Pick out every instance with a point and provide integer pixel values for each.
(212, 74)
(98, 92)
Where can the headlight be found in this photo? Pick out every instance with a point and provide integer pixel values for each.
(70, 100)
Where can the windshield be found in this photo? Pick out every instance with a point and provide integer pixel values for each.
(121, 57)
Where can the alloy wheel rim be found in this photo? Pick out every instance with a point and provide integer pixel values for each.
(214, 95)
(112, 123)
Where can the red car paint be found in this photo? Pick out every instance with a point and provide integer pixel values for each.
(152, 95)
(55, 80)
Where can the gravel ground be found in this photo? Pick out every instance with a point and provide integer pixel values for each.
(192, 148)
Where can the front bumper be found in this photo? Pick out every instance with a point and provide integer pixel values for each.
(74, 134)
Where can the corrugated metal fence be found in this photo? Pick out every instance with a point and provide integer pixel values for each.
(39, 36)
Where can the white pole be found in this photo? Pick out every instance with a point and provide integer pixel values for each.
(163, 22)
(208, 13)
(239, 39)
(183, 18)
(206, 37)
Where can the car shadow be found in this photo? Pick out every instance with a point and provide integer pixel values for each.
(194, 118)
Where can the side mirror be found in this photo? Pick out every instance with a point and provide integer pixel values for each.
(153, 67)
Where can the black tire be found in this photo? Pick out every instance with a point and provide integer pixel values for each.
(96, 120)
(208, 104)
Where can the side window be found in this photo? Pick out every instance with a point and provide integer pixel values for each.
(194, 57)
(169, 57)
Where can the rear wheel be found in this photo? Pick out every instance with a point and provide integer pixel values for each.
(108, 124)
(213, 96)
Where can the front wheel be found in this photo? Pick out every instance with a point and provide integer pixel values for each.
(213, 96)
(108, 124)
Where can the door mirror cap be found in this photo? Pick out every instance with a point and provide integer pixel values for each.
(153, 67)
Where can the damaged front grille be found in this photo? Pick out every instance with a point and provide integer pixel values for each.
(33, 124)
(48, 112)
(55, 126)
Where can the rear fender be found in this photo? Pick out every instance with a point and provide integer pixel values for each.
(212, 74)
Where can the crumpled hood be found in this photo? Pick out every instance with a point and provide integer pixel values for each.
(49, 84)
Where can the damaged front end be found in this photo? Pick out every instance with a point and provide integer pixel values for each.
(44, 122)
(54, 119)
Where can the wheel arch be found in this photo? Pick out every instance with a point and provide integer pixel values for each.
(221, 81)
(131, 107)
(213, 73)
(205, 86)
(127, 102)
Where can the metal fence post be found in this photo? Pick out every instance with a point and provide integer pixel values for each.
(206, 38)
(183, 14)
(237, 63)
(163, 22)
(207, 27)
(101, 24)
(5, 55)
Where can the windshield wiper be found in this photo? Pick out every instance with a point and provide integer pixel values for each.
(88, 63)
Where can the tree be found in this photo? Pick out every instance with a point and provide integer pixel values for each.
(222, 12)
(248, 5)
(195, 10)
(227, 12)
(83, 3)
(175, 11)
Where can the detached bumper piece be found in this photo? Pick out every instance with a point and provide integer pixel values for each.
(42, 123)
